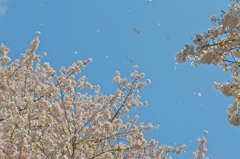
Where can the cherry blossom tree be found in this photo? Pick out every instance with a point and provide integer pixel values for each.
(211, 49)
(43, 115)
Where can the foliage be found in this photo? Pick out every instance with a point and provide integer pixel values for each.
(211, 49)
(43, 115)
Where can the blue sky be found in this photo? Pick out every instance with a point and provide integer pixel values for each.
(69, 26)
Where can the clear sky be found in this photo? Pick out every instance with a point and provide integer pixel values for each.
(97, 28)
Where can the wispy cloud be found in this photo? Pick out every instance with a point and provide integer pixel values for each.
(3, 7)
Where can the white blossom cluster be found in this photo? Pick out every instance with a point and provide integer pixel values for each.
(43, 115)
(199, 154)
(211, 49)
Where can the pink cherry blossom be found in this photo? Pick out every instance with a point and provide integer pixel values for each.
(208, 48)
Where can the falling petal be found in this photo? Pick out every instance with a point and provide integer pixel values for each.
(128, 10)
(158, 23)
(186, 34)
(150, 0)
(104, 63)
(41, 23)
(199, 94)
(98, 31)
(126, 57)
(106, 57)
(154, 87)
(175, 68)
(41, 3)
(194, 93)
(107, 53)
(168, 37)
(130, 61)
(201, 103)
(134, 29)
(75, 52)
(138, 32)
